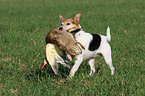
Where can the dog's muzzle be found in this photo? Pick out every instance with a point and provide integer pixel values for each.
(73, 30)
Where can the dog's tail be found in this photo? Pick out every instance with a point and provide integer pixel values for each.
(108, 34)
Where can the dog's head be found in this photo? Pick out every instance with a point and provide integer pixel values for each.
(70, 25)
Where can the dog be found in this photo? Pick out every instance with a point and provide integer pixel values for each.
(58, 44)
(95, 44)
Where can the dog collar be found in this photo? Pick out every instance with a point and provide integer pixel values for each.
(75, 31)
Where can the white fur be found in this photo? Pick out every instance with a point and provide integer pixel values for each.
(104, 49)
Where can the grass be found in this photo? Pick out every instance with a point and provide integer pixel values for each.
(24, 25)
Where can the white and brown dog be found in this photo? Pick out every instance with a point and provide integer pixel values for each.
(94, 44)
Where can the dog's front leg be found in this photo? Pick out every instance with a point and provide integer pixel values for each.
(78, 61)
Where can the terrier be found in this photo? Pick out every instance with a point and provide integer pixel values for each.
(95, 44)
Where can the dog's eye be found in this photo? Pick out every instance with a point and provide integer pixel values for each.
(73, 22)
(61, 24)
(68, 24)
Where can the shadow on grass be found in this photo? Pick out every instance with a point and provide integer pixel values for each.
(47, 72)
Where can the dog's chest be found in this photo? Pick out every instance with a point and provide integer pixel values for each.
(95, 42)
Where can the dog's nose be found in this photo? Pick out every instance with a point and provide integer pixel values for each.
(60, 28)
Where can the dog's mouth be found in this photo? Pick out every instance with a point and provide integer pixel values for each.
(71, 29)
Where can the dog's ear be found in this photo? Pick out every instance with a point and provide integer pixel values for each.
(77, 18)
(61, 18)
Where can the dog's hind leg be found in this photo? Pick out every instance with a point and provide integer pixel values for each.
(108, 61)
(107, 56)
(91, 63)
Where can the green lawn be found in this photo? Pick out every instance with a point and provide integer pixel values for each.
(24, 25)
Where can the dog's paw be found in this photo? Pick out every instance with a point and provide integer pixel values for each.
(91, 73)
(112, 71)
